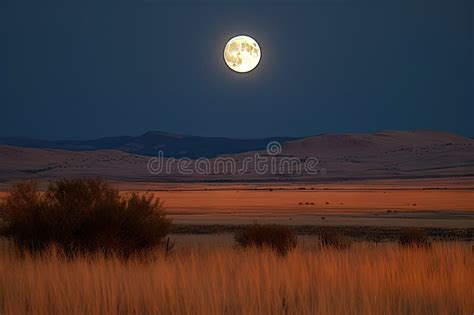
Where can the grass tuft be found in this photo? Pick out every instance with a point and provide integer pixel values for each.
(279, 238)
(414, 238)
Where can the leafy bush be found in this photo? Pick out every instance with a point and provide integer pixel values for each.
(82, 215)
(414, 238)
(332, 239)
(280, 238)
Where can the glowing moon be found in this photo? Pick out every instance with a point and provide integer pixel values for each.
(242, 53)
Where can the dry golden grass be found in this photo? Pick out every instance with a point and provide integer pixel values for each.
(365, 279)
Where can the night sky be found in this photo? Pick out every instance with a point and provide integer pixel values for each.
(86, 69)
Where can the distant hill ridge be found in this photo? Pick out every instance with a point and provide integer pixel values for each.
(362, 143)
(382, 155)
(148, 144)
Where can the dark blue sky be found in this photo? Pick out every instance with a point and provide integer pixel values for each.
(84, 69)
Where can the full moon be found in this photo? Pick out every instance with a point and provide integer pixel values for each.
(242, 53)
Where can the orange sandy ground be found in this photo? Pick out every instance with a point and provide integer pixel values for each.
(436, 202)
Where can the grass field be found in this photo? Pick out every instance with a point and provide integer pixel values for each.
(368, 278)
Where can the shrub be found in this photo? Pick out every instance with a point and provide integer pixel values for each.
(332, 239)
(414, 238)
(82, 215)
(280, 238)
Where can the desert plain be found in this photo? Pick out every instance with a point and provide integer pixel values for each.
(437, 203)
(371, 199)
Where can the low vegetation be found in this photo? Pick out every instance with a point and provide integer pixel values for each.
(279, 238)
(82, 215)
(414, 237)
(335, 240)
